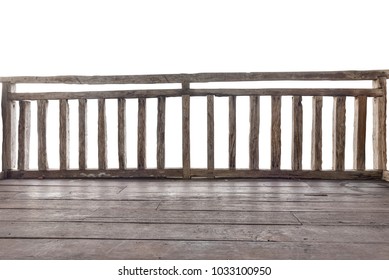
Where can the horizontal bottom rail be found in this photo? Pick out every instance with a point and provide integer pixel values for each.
(195, 173)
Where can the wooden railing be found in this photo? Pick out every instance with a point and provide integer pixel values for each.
(16, 136)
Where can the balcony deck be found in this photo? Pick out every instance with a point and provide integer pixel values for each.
(196, 219)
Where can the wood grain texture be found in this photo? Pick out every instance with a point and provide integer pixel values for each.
(63, 134)
(275, 132)
(42, 135)
(151, 93)
(161, 132)
(297, 133)
(122, 148)
(24, 135)
(9, 128)
(232, 132)
(338, 133)
(202, 77)
(141, 133)
(210, 134)
(316, 144)
(186, 134)
(82, 134)
(359, 132)
(102, 135)
(254, 133)
(379, 126)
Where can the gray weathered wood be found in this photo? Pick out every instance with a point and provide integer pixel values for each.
(276, 132)
(297, 133)
(102, 135)
(9, 128)
(210, 134)
(359, 132)
(254, 133)
(42, 135)
(186, 132)
(232, 133)
(82, 133)
(24, 135)
(316, 144)
(202, 77)
(379, 126)
(63, 134)
(150, 93)
(161, 133)
(338, 133)
(122, 149)
(141, 133)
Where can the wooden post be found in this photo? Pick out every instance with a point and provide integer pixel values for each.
(379, 126)
(210, 135)
(141, 133)
(42, 123)
(276, 133)
(297, 133)
(254, 132)
(24, 135)
(102, 135)
(316, 147)
(359, 132)
(186, 131)
(9, 128)
(63, 134)
(122, 150)
(161, 133)
(232, 132)
(338, 133)
(82, 133)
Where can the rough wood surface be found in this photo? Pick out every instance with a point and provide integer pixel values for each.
(24, 135)
(151, 93)
(316, 144)
(122, 149)
(275, 132)
(202, 77)
(338, 133)
(63, 134)
(379, 126)
(254, 133)
(9, 128)
(359, 132)
(186, 134)
(297, 133)
(161, 132)
(232, 132)
(102, 135)
(210, 134)
(141, 133)
(82, 133)
(42, 135)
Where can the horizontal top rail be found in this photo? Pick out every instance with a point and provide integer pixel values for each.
(202, 77)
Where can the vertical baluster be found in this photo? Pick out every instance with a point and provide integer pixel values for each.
(276, 133)
(254, 132)
(186, 131)
(42, 124)
(24, 135)
(210, 135)
(122, 149)
(161, 133)
(379, 126)
(232, 132)
(82, 133)
(9, 128)
(102, 135)
(141, 133)
(297, 133)
(359, 132)
(338, 133)
(64, 134)
(316, 159)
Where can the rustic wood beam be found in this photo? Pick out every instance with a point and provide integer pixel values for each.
(122, 149)
(254, 133)
(186, 131)
(42, 134)
(141, 133)
(82, 134)
(379, 126)
(102, 135)
(210, 134)
(161, 132)
(359, 132)
(297, 133)
(24, 135)
(338, 133)
(232, 133)
(63, 134)
(316, 147)
(276, 133)
(9, 128)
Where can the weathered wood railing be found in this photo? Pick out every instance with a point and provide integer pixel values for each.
(16, 142)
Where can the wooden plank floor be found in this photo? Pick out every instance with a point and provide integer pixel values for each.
(197, 219)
